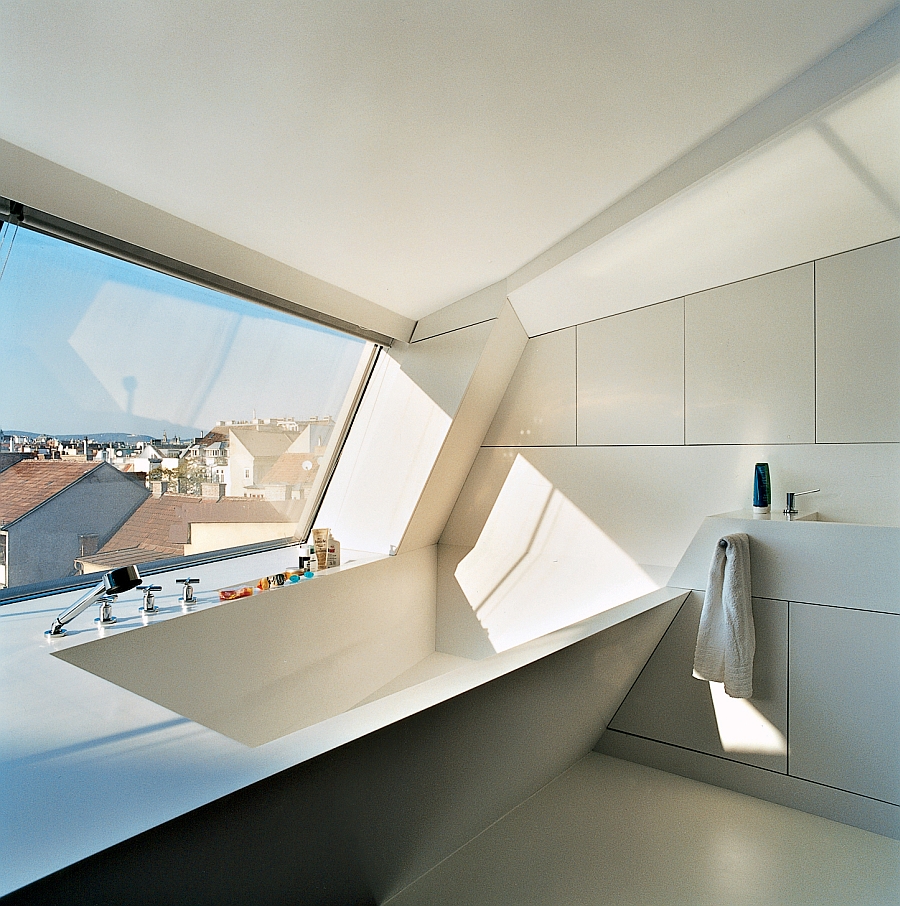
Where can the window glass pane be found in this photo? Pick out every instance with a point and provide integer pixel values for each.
(212, 417)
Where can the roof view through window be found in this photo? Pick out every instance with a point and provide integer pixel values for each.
(144, 417)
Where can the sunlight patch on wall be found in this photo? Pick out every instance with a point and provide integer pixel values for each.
(389, 455)
(742, 728)
(540, 564)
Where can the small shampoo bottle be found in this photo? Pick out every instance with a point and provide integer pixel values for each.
(762, 489)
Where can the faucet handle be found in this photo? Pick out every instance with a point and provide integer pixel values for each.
(106, 617)
(149, 605)
(187, 593)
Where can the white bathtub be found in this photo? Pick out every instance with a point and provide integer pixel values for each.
(173, 715)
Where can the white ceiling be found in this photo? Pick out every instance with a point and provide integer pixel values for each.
(829, 185)
(411, 153)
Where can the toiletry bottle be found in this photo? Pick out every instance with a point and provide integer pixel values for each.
(312, 562)
(334, 552)
(320, 540)
(762, 489)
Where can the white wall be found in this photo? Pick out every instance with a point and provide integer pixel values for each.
(652, 419)
(418, 430)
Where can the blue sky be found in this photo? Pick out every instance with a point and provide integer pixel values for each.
(90, 344)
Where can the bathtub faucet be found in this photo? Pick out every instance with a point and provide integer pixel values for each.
(115, 582)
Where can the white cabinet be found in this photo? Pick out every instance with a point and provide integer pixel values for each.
(844, 712)
(668, 705)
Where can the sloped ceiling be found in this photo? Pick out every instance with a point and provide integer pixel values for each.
(826, 186)
(413, 153)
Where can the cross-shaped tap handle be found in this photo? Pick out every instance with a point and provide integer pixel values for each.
(149, 603)
(187, 593)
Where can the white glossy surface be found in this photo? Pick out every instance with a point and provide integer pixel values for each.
(484, 388)
(837, 564)
(669, 705)
(858, 346)
(480, 306)
(395, 440)
(868, 124)
(845, 685)
(75, 747)
(256, 669)
(457, 630)
(612, 833)
(651, 500)
(442, 366)
(404, 435)
(630, 377)
(750, 361)
(761, 211)
(539, 405)
(540, 564)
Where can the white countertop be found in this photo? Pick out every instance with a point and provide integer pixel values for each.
(87, 764)
(838, 564)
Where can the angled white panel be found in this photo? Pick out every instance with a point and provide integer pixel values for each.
(539, 405)
(767, 210)
(497, 360)
(866, 127)
(858, 346)
(339, 639)
(832, 563)
(397, 437)
(630, 371)
(480, 306)
(669, 705)
(750, 361)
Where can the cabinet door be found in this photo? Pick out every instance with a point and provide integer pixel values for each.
(844, 710)
(668, 705)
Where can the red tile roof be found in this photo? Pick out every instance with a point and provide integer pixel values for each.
(213, 437)
(110, 560)
(162, 524)
(32, 482)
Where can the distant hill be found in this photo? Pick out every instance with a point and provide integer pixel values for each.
(110, 437)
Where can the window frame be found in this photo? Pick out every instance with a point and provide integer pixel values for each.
(19, 215)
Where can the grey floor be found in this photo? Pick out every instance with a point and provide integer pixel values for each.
(619, 834)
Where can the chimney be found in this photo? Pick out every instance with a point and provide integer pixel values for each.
(158, 488)
(211, 490)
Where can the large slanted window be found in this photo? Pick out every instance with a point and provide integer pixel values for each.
(155, 416)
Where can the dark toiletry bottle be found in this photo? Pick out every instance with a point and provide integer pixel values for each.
(762, 489)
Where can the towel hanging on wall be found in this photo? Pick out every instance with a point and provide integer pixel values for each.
(726, 640)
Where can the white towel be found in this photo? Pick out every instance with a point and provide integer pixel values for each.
(726, 641)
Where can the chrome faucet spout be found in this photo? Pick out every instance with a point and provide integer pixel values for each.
(789, 508)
